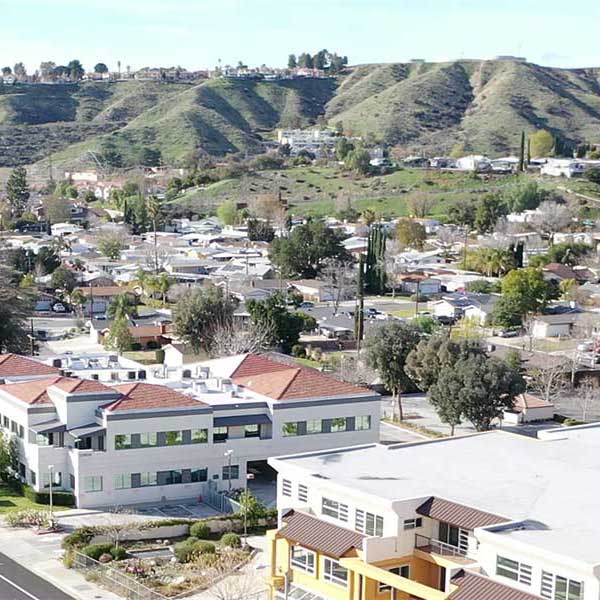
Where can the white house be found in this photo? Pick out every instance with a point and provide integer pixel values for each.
(474, 163)
(545, 326)
(528, 409)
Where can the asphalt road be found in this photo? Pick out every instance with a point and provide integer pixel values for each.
(17, 583)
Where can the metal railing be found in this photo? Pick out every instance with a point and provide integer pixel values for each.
(438, 547)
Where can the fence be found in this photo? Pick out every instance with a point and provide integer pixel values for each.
(220, 501)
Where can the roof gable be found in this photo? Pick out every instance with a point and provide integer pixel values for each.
(147, 396)
(457, 514)
(472, 586)
(15, 365)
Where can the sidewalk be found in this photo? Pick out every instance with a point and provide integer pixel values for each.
(41, 554)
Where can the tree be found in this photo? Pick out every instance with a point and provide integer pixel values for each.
(339, 277)
(100, 68)
(490, 261)
(118, 523)
(17, 191)
(20, 71)
(63, 279)
(358, 160)
(552, 218)
(122, 306)
(462, 212)
(524, 197)
(16, 308)
(419, 204)
(506, 315)
(161, 284)
(292, 62)
(542, 144)
(550, 383)
(57, 209)
(387, 348)
(272, 314)
(587, 396)
(522, 153)
(111, 245)
(198, 312)
(228, 214)
(304, 252)
(489, 209)
(458, 150)
(375, 273)
(568, 253)
(593, 175)
(527, 290)
(411, 234)
(47, 70)
(75, 70)
(343, 147)
(229, 339)
(305, 61)
(6, 71)
(260, 231)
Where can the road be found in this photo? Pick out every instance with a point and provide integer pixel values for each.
(17, 583)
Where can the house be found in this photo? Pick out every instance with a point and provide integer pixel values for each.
(567, 167)
(15, 368)
(174, 354)
(411, 283)
(528, 409)
(475, 163)
(314, 290)
(100, 297)
(558, 272)
(449, 519)
(545, 326)
(119, 435)
(415, 258)
(478, 307)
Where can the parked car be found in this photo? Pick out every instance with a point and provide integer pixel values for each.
(585, 346)
(59, 307)
(445, 320)
(306, 305)
(509, 333)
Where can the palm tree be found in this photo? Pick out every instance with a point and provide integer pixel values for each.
(142, 280)
(122, 306)
(162, 283)
(78, 298)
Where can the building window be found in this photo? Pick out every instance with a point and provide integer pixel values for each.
(6, 422)
(173, 477)
(123, 441)
(286, 488)
(199, 475)
(303, 559)
(148, 479)
(122, 481)
(315, 426)
(220, 434)
(92, 483)
(22, 470)
(148, 440)
(415, 523)
(556, 587)
(368, 523)
(403, 571)
(14, 427)
(512, 569)
(290, 429)
(251, 431)
(21, 432)
(57, 479)
(302, 493)
(199, 436)
(334, 572)
(454, 536)
(338, 424)
(173, 438)
(44, 439)
(235, 472)
(33, 477)
(363, 423)
(334, 509)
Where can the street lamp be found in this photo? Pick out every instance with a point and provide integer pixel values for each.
(228, 454)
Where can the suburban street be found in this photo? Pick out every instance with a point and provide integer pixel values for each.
(17, 583)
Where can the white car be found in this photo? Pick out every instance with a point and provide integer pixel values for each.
(59, 307)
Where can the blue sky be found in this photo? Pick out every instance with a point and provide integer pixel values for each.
(196, 33)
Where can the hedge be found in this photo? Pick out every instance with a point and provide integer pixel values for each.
(231, 540)
(58, 498)
(200, 530)
(95, 551)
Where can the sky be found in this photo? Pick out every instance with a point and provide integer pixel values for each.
(197, 33)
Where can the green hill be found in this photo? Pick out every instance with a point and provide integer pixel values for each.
(426, 107)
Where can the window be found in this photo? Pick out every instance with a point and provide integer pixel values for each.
(334, 572)
(415, 523)
(92, 483)
(338, 424)
(199, 475)
(235, 472)
(173, 477)
(21, 432)
(334, 509)
(173, 438)
(148, 440)
(5, 422)
(123, 441)
(315, 426)
(290, 429)
(84, 443)
(147, 479)
(303, 559)
(22, 470)
(199, 436)
(57, 479)
(368, 523)
(251, 431)
(286, 487)
(512, 569)
(403, 571)
(44, 439)
(14, 427)
(220, 434)
(302, 493)
(122, 481)
(33, 477)
(556, 587)
(454, 536)
(363, 423)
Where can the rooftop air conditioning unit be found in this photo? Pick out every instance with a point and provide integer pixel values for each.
(95, 376)
(57, 362)
(142, 374)
(130, 374)
(186, 374)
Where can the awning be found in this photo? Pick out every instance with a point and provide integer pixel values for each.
(54, 426)
(84, 430)
(241, 420)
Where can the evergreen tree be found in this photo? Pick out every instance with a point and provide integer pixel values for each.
(17, 191)
(292, 62)
(522, 153)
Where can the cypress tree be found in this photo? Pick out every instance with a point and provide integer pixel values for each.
(522, 153)
(359, 315)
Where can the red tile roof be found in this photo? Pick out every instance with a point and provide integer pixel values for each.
(147, 396)
(19, 366)
(314, 534)
(36, 390)
(525, 401)
(107, 291)
(472, 586)
(457, 514)
(285, 382)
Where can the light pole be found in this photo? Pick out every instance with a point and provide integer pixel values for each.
(228, 454)
(51, 474)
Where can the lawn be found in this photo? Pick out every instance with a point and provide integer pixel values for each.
(12, 502)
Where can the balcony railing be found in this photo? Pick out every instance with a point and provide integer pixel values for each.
(438, 547)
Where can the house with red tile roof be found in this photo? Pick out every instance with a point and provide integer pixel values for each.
(14, 367)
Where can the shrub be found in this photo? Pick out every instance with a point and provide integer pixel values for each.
(152, 345)
(204, 548)
(118, 552)
(95, 551)
(183, 551)
(231, 540)
(29, 518)
(298, 351)
(105, 558)
(200, 530)
(159, 356)
(571, 422)
(58, 498)
(78, 538)
(136, 347)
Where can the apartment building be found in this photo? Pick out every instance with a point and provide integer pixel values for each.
(492, 516)
(113, 434)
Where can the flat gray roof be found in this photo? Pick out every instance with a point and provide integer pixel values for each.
(555, 481)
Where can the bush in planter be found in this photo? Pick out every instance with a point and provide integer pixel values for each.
(200, 530)
(118, 552)
(204, 548)
(298, 351)
(184, 550)
(231, 540)
(95, 551)
(78, 538)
